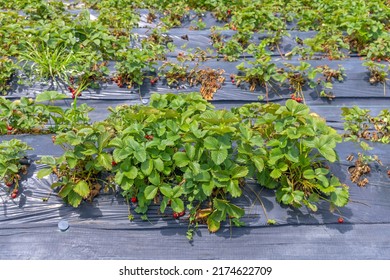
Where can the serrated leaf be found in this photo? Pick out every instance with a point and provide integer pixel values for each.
(150, 192)
(131, 173)
(116, 142)
(74, 199)
(105, 160)
(219, 156)
(158, 164)
(235, 211)
(44, 172)
(177, 205)
(103, 139)
(297, 109)
(49, 160)
(166, 190)
(211, 143)
(276, 173)
(181, 159)
(65, 190)
(309, 174)
(259, 163)
(147, 167)
(82, 189)
(234, 188)
(120, 154)
(164, 204)
(208, 188)
(140, 155)
(89, 152)
(239, 172)
(340, 197)
(213, 225)
(49, 96)
(293, 154)
(195, 167)
(154, 178)
(190, 151)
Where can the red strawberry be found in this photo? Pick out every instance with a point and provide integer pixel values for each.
(14, 195)
(182, 213)
(8, 184)
(340, 220)
(175, 215)
(9, 127)
(113, 163)
(134, 199)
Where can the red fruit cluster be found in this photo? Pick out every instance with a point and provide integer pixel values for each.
(149, 137)
(297, 99)
(73, 92)
(118, 80)
(232, 79)
(177, 215)
(154, 81)
(14, 194)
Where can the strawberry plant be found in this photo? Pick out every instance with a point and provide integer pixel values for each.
(262, 73)
(329, 75)
(130, 71)
(359, 124)
(378, 73)
(22, 116)
(118, 15)
(379, 49)
(329, 40)
(182, 154)
(11, 167)
(26, 115)
(291, 153)
(7, 71)
(80, 169)
(298, 76)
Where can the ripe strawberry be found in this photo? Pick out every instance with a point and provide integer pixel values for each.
(175, 215)
(299, 99)
(134, 199)
(182, 213)
(15, 191)
(9, 127)
(14, 195)
(113, 163)
(340, 220)
(8, 184)
(379, 60)
(229, 12)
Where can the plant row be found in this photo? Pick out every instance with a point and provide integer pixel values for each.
(182, 154)
(45, 41)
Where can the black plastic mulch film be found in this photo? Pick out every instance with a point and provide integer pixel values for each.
(101, 229)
